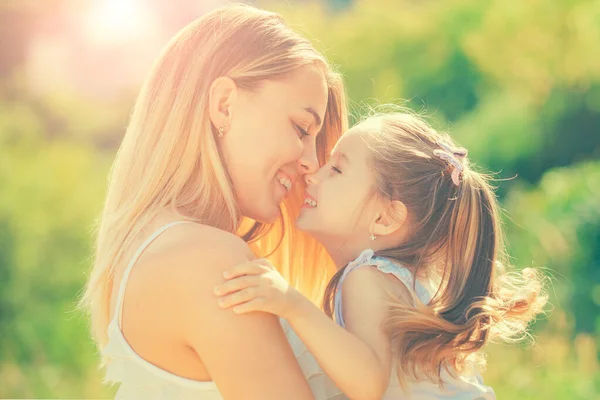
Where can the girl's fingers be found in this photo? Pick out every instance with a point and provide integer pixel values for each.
(256, 304)
(238, 283)
(237, 298)
(246, 268)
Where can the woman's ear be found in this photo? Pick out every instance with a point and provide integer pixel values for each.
(221, 97)
(390, 219)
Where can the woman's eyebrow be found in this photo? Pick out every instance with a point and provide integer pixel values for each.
(315, 115)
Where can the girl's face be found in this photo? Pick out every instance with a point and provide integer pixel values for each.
(270, 141)
(339, 205)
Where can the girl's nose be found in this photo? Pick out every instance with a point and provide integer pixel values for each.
(311, 179)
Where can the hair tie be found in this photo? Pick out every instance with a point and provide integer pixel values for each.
(453, 156)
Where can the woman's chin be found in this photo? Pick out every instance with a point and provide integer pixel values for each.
(265, 215)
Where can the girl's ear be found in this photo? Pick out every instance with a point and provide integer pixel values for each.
(390, 218)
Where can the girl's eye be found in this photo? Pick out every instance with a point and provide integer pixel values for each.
(335, 169)
(302, 132)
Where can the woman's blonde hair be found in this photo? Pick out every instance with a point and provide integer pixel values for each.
(169, 157)
(454, 225)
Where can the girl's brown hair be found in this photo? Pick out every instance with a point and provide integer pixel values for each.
(456, 240)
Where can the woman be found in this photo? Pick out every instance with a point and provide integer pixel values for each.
(237, 109)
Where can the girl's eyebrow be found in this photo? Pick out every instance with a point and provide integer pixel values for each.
(339, 157)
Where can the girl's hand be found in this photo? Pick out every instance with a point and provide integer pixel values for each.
(257, 286)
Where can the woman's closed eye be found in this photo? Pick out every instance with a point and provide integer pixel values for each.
(302, 132)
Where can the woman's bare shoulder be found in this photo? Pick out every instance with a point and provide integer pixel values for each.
(253, 343)
(197, 240)
(182, 267)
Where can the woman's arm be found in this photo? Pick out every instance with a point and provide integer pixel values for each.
(247, 356)
(358, 358)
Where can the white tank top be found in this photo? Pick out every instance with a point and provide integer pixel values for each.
(140, 379)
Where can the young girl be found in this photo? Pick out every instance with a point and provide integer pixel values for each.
(420, 288)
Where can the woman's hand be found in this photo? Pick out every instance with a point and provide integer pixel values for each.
(257, 286)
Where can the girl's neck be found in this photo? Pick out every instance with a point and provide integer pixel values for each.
(340, 260)
(344, 253)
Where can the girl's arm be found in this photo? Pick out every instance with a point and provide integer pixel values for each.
(358, 358)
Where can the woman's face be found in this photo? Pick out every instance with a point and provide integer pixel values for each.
(270, 139)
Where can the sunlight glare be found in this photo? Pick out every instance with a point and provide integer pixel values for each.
(117, 21)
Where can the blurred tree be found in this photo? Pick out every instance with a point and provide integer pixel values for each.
(557, 224)
(51, 192)
(570, 120)
(6, 285)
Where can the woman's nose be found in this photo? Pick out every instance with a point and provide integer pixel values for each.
(308, 162)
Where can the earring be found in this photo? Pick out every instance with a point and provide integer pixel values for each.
(221, 130)
(373, 237)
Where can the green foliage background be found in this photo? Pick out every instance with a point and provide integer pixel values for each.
(516, 82)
